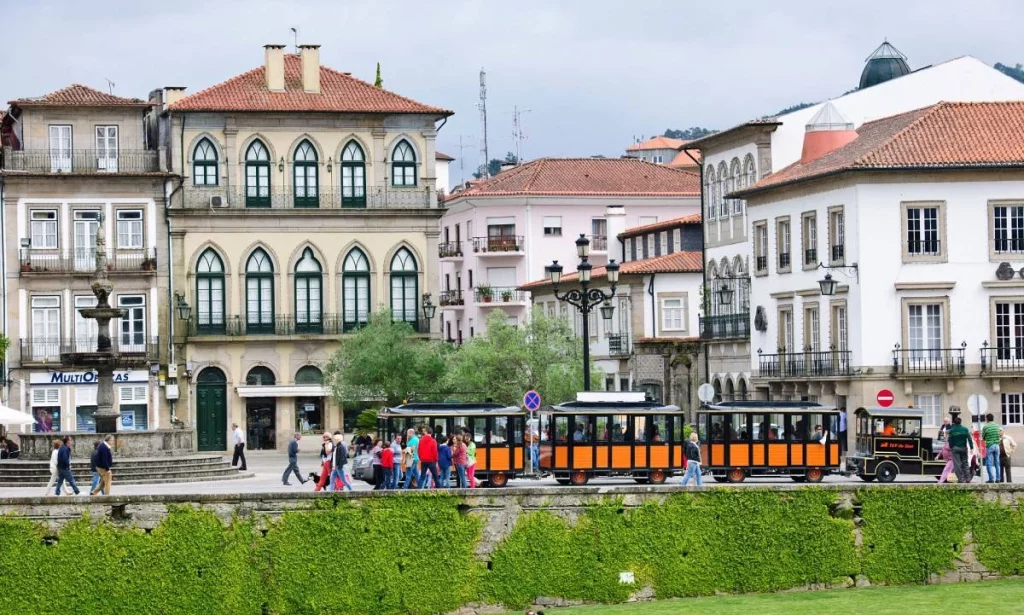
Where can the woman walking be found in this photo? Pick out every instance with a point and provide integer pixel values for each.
(326, 456)
(396, 469)
(1006, 447)
(378, 465)
(470, 458)
(460, 459)
(53, 467)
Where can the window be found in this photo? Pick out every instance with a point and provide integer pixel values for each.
(404, 287)
(1012, 408)
(257, 175)
(308, 294)
(403, 165)
(60, 149)
(931, 406)
(470, 279)
(783, 236)
(133, 407)
(129, 228)
(924, 230)
(355, 285)
(599, 234)
(735, 179)
(786, 341)
(86, 329)
(353, 176)
(1008, 228)
(86, 224)
(645, 220)
(133, 324)
(305, 173)
(259, 293)
(839, 328)
(837, 234)
(210, 293)
(810, 239)
(760, 248)
(44, 230)
(106, 148)
(552, 226)
(657, 159)
(204, 164)
(812, 329)
(501, 235)
(709, 193)
(673, 314)
(924, 331)
(46, 409)
(723, 188)
(45, 342)
(1009, 331)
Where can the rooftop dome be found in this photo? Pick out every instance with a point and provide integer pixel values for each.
(883, 64)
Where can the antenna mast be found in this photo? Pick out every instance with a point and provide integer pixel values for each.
(483, 120)
(462, 158)
(110, 86)
(517, 131)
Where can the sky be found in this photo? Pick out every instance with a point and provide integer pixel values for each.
(592, 75)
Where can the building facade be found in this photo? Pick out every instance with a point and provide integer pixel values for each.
(75, 161)
(309, 201)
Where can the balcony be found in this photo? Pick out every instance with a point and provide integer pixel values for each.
(499, 296)
(82, 161)
(132, 350)
(451, 299)
(618, 345)
(83, 262)
(725, 326)
(838, 253)
(1004, 360)
(1010, 246)
(929, 362)
(450, 250)
(809, 364)
(286, 325)
(383, 197)
(927, 247)
(499, 245)
(599, 243)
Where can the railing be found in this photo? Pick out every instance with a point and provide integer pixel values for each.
(450, 249)
(599, 243)
(761, 264)
(216, 197)
(808, 364)
(927, 247)
(130, 349)
(82, 161)
(725, 326)
(930, 361)
(838, 252)
(83, 261)
(1003, 359)
(498, 243)
(498, 295)
(1008, 245)
(618, 345)
(288, 325)
(784, 261)
(450, 298)
(810, 256)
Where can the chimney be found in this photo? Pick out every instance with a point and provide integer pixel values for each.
(310, 67)
(172, 94)
(274, 67)
(827, 131)
(615, 215)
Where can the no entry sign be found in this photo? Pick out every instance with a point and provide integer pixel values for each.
(885, 398)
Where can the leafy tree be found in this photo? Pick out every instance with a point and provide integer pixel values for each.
(379, 81)
(494, 166)
(1016, 71)
(694, 132)
(384, 362)
(366, 422)
(795, 107)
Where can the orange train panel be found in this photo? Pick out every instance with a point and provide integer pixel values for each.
(718, 454)
(815, 454)
(582, 457)
(519, 457)
(759, 456)
(797, 454)
(834, 453)
(640, 456)
(659, 456)
(601, 456)
(620, 457)
(498, 459)
(678, 454)
(481, 459)
(739, 455)
(777, 455)
(561, 457)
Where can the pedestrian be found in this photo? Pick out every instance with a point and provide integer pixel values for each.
(990, 435)
(444, 462)
(377, 463)
(944, 428)
(239, 455)
(293, 461)
(470, 457)
(692, 453)
(8, 449)
(946, 454)
(412, 471)
(1007, 446)
(387, 465)
(104, 461)
(53, 467)
(959, 437)
(338, 477)
(396, 470)
(459, 458)
(64, 473)
(326, 461)
(428, 459)
(92, 466)
(842, 432)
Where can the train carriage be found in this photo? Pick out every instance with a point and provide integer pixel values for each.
(889, 442)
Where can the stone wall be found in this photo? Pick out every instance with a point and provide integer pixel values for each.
(126, 445)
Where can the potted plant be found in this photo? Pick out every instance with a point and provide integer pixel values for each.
(506, 295)
(149, 264)
(26, 266)
(485, 292)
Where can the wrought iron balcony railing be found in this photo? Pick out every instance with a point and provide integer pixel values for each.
(929, 361)
(725, 326)
(449, 249)
(618, 345)
(498, 243)
(449, 298)
(121, 260)
(926, 247)
(808, 364)
(131, 349)
(498, 294)
(761, 264)
(1003, 359)
(287, 325)
(380, 197)
(810, 256)
(838, 252)
(82, 161)
(784, 261)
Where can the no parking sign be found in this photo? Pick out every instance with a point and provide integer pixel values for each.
(531, 401)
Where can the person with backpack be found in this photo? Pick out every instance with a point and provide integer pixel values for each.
(340, 459)
(691, 451)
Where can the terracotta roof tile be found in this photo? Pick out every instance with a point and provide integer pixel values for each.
(683, 160)
(76, 94)
(770, 122)
(442, 156)
(588, 177)
(943, 136)
(339, 92)
(660, 226)
(656, 143)
(677, 262)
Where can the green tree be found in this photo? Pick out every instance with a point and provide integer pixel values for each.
(694, 132)
(366, 422)
(384, 362)
(379, 81)
(1016, 71)
(494, 166)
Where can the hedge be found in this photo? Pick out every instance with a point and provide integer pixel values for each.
(417, 554)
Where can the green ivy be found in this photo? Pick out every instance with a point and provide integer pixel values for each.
(999, 538)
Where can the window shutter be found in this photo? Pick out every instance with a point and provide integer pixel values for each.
(45, 397)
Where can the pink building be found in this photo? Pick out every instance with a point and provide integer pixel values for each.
(500, 233)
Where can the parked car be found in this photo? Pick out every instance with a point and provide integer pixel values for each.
(362, 467)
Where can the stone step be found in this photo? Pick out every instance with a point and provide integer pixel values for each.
(124, 472)
(141, 477)
(121, 465)
(191, 478)
(140, 461)
(19, 473)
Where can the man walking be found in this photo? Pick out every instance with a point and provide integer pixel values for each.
(293, 461)
(340, 459)
(990, 436)
(842, 432)
(239, 448)
(64, 466)
(958, 437)
(104, 460)
(92, 466)
(692, 453)
(412, 449)
(428, 459)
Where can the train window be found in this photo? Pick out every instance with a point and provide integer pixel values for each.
(602, 428)
(459, 423)
(659, 428)
(479, 427)
(775, 427)
(898, 427)
(759, 426)
(517, 429)
(739, 431)
(718, 428)
(545, 427)
(816, 427)
(640, 425)
(499, 430)
(678, 426)
(579, 429)
(620, 424)
(796, 427)
(561, 428)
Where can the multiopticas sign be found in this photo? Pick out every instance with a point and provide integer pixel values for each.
(86, 377)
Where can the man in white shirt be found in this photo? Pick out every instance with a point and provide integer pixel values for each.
(239, 447)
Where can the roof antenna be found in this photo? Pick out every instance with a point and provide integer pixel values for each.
(110, 86)
(295, 36)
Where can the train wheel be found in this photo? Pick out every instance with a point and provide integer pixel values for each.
(641, 480)
(799, 479)
(720, 479)
(814, 475)
(736, 475)
(498, 479)
(562, 481)
(886, 472)
(579, 478)
(657, 477)
(866, 478)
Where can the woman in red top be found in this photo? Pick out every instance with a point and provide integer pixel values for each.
(387, 463)
(460, 458)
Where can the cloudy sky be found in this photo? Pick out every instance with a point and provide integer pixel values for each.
(593, 74)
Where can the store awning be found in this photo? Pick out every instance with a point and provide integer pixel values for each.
(282, 390)
(10, 416)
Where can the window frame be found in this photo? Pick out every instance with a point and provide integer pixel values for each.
(1019, 410)
(404, 275)
(260, 325)
(996, 254)
(305, 170)
(839, 333)
(812, 327)
(1014, 352)
(254, 197)
(55, 220)
(552, 231)
(809, 240)
(929, 420)
(403, 166)
(783, 239)
(761, 247)
(836, 213)
(782, 337)
(129, 302)
(943, 302)
(682, 308)
(349, 168)
(709, 194)
(104, 161)
(313, 321)
(355, 275)
(212, 327)
(141, 221)
(205, 166)
(941, 253)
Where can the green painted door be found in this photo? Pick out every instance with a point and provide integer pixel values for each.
(212, 410)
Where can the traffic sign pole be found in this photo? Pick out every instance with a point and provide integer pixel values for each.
(531, 401)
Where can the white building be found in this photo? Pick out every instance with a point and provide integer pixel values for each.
(740, 156)
(441, 163)
(919, 218)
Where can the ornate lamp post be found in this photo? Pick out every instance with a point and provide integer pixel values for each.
(584, 298)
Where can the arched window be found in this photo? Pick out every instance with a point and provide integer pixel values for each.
(308, 294)
(204, 164)
(403, 165)
(734, 178)
(306, 175)
(355, 290)
(260, 376)
(309, 374)
(750, 172)
(257, 175)
(353, 176)
(709, 193)
(209, 293)
(404, 286)
(259, 293)
(723, 176)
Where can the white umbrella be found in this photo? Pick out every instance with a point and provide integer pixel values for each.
(10, 416)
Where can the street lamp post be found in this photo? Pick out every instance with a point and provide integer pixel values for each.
(584, 298)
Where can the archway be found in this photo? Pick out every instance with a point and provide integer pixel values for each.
(309, 410)
(260, 412)
(212, 410)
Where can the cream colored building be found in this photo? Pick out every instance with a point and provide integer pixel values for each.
(308, 202)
